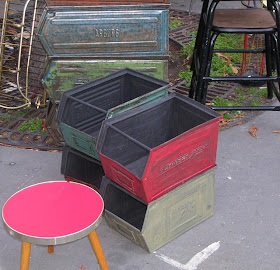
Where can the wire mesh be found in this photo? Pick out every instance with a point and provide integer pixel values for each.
(21, 54)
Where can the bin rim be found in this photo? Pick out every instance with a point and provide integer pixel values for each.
(111, 121)
(132, 112)
(112, 76)
(104, 80)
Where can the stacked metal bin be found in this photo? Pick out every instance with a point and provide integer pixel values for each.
(152, 149)
(152, 225)
(82, 109)
(157, 151)
(159, 164)
(89, 39)
(76, 166)
(158, 158)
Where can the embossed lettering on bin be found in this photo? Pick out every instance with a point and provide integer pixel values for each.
(152, 225)
(105, 31)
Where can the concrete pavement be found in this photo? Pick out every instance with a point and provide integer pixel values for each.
(243, 233)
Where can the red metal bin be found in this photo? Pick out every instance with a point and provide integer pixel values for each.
(154, 148)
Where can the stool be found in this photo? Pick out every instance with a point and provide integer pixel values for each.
(213, 22)
(52, 213)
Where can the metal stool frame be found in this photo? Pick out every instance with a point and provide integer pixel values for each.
(204, 49)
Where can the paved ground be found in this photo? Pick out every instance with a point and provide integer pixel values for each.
(243, 234)
(244, 229)
(195, 5)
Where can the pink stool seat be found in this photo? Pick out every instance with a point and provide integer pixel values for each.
(52, 213)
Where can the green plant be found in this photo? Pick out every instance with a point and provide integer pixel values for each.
(262, 93)
(174, 24)
(222, 64)
(5, 117)
(252, 91)
(188, 49)
(230, 41)
(32, 125)
(228, 116)
(241, 96)
(18, 113)
(255, 102)
(186, 75)
(224, 102)
(219, 67)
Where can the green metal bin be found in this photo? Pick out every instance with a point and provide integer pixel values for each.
(155, 224)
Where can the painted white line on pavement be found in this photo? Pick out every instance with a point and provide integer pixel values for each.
(195, 260)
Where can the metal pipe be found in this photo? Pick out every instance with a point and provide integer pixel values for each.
(247, 108)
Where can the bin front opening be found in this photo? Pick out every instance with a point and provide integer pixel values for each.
(122, 204)
(129, 139)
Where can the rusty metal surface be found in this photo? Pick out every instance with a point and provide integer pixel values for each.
(8, 130)
(62, 74)
(182, 35)
(105, 31)
(219, 89)
(51, 124)
(10, 135)
(103, 2)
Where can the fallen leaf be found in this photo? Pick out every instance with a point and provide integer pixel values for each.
(253, 131)
(276, 131)
(43, 125)
(234, 69)
(82, 266)
(228, 58)
(24, 35)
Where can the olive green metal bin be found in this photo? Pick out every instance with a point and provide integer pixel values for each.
(155, 224)
(61, 74)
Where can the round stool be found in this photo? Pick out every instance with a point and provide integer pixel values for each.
(53, 213)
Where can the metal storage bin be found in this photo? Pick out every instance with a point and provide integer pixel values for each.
(81, 167)
(105, 31)
(51, 124)
(83, 108)
(157, 223)
(61, 74)
(103, 2)
(156, 147)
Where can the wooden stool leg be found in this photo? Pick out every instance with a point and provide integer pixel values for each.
(50, 248)
(98, 250)
(25, 255)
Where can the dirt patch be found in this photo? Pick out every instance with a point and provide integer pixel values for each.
(176, 62)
